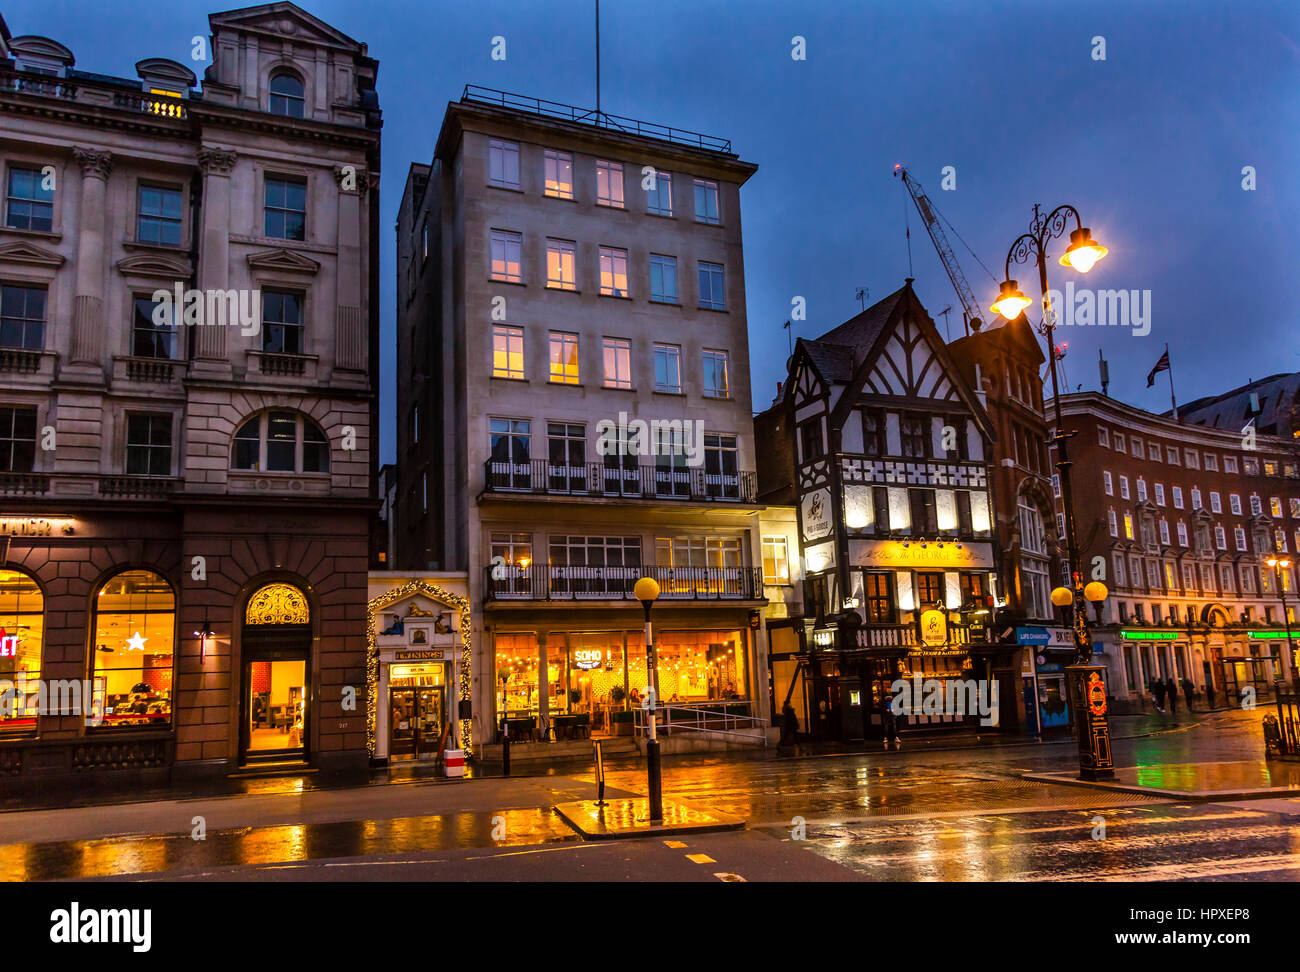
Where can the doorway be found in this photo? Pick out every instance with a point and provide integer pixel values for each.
(275, 709)
(416, 721)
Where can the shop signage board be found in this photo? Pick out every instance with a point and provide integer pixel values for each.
(815, 514)
(424, 654)
(1151, 635)
(899, 553)
(934, 628)
(1267, 634)
(588, 658)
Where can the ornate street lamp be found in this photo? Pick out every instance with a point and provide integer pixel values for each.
(646, 590)
(1280, 567)
(1086, 687)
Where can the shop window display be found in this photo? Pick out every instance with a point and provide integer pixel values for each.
(135, 628)
(22, 628)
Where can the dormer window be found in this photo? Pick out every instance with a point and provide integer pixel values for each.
(287, 95)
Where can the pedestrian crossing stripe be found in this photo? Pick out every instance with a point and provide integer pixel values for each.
(700, 859)
(674, 843)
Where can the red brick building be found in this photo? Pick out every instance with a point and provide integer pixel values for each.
(1178, 520)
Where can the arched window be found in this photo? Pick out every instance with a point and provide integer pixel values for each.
(277, 604)
(22, 627)
(281, 442)
(287, 95)
(132, 655)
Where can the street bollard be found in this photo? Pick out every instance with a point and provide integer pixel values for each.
(505, 748)
(600, 774)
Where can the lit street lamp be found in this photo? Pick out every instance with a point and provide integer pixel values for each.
(646, 590)
(1086, 689)
(1280, 567)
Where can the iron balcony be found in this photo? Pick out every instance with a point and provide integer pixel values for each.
(596, 479)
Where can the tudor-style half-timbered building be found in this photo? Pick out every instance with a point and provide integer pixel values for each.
(895, 521)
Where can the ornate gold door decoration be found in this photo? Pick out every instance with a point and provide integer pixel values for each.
(277, 604)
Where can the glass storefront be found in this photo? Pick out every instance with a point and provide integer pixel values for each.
(22, 626)
(131, 664)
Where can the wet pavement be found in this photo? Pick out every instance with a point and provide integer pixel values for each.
(920, 814)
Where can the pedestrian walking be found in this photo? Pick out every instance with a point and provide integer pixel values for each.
(1209, 694)
(1189, 691)
(1158, 691)
(1172, 691)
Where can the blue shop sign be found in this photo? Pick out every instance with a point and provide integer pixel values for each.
(1032, 636)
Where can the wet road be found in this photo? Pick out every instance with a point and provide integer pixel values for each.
(918, 815)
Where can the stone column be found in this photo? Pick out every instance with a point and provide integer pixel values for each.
(88, 302)
(210, 355)
(349, 331)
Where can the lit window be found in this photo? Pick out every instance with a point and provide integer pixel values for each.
(507, 351)
(659, 197)
(617, 354)
(131, 664)
(609, 184)
(706, 201)
(564, 357)
(503, 164)
(713, 291)
(663, 279)
(287, 95)
(560, 264)
(717, 381)
(1275, 505)
(1128, 526)
(507, 258)
(559, 174)
(776, 560)
(613, 272)
(22, 632)
(281, 442)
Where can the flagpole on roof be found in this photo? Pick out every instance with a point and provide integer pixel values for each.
(1172, 400)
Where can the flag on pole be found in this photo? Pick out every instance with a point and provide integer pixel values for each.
(1161, 365)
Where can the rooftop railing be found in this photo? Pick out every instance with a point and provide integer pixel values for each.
(594, 117)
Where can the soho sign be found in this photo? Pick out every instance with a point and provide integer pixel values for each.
(588, 658)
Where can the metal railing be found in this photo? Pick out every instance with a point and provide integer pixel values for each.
(543, 583)
(37, 84)
(1282, 731)
(590, 116)
(599, 479)
(905, 635)
(714, 717)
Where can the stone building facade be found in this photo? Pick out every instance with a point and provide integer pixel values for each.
(561, 278)
(188, 400)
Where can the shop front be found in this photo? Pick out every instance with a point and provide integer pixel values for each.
(419, 669)
(553, 684)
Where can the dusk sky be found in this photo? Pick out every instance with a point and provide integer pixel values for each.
(1149, 144)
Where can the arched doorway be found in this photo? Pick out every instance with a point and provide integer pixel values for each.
(275, 696)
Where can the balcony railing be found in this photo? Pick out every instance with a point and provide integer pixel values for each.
(905, 636)
(20, 360)
(542, 583)
(138, 487)
(37, 84)
(627, 482)
(24, 484)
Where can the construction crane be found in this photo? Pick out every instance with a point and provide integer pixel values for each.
(930, 217)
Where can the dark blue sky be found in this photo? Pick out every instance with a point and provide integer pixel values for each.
(1148, 144)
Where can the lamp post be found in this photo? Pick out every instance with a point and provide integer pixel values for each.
(1280, 567)
(1084, 679)
(646, 590)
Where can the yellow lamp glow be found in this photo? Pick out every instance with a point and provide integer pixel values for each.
(1010, 301)
(645, 589)
(1083, 252)
(1062, 597)
(1096, 591)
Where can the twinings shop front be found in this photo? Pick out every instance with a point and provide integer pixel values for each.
(419, 669)
(559, 685)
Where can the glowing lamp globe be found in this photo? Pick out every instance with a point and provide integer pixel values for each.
(646, 589)
(1062, 597)
(1010, 301)
(1096, 591)
(1083, 252)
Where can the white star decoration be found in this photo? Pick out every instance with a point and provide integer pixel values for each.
(135, 642)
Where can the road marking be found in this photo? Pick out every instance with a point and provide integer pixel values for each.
(1196, 869)
(700, 859)
(729, 877)
(674, 843)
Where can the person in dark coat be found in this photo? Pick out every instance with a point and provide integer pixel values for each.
(1171, 690)
(1189, 691)
(1209, 694)
(1158, 690)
